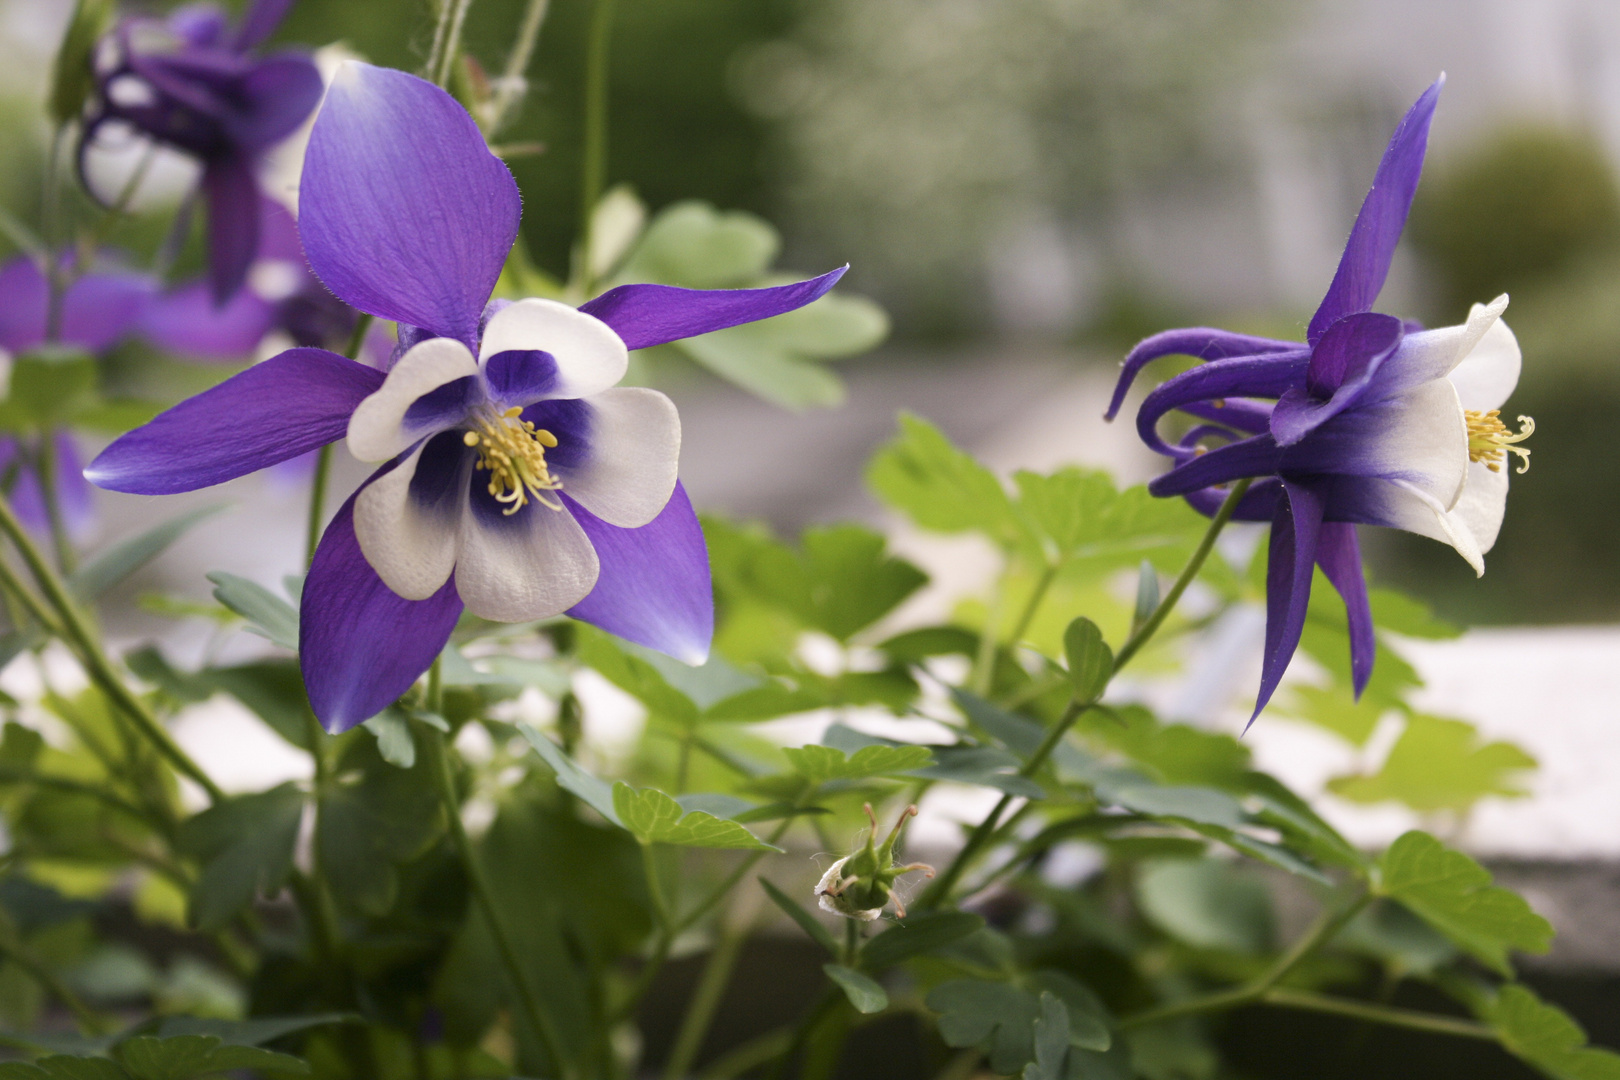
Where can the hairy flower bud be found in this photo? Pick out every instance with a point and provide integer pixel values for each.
(860, 885)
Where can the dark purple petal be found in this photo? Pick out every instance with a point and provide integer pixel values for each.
(1294, 535)
(648, 315)
(519, 377)
(1338, 553)
(405, 213)
(198, 25)
(232, 194)
(97, 309)
(284, 407)
(1245, 376)
(1344, 360)
(273, 100)
(1259, 503)
(188, 322)
(1377, 230)
(360, 645)
(1251, 457)
(1204, 342)
(654, 587)
(260, 22)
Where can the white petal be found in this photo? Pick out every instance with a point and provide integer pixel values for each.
(533, 565)
(1488, 374)
(1433, 354)
(1406, 507)
(1420, 438)
(1483, 503)
(635, 449)
(411, 544)
(590, 356)
(377, 430)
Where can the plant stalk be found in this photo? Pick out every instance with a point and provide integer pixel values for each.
(593, 167)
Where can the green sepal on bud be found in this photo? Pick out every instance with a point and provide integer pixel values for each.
(861, 885)
(72, 76)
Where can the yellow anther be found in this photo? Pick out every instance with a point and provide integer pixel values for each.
(514, 454)
(1490, 441)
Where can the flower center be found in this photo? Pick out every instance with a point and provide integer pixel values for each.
(1490, 441)
(514, 452)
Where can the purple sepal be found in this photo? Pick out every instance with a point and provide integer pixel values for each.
(260, 22)
(1294, 534)
(1204, 342)
(1244, 376)
(1345, 359)
(1338, 553)
(404, 211)
(1240, 414)
(654, 586)
(97, 309)
(1367, 255)
(360, 645)
(1255, 456)
(232, 194)
(288, 405)
(188, 323)
(1259, 503)
(648, 315)
(274, 99)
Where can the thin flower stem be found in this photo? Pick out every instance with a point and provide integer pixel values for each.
(51, 214)
(1027, 616)
(750, 1054)
(710, 988)
(1143, 633)
(1285, 998)
(439, 765)
(96, 662)
(593, 168)
(511, 88)
(48, 468)
(447, 41)
(323, 460)
(984, 661)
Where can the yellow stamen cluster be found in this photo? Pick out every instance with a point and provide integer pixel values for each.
(1490, 441)
(514, 452)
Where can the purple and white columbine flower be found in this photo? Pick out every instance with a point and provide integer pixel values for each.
(188, 82)
(1371, 422)
(518, 481)
(97, 310)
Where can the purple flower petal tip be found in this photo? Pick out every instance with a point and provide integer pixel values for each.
(648, 315)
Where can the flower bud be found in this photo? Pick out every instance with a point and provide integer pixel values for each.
(860, 885)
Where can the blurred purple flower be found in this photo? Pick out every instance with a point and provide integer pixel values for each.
(516, 480)
(1371, 422)
(189, 82)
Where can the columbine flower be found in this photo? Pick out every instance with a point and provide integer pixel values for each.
(861, 885)
(517, 480)
(188, 82)
(1372, 422)
(97, 309)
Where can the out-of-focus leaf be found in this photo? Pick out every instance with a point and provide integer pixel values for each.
(1546, 1037)
(114, 417)
(919, 934)
(1147, 594)
(1454, 894)
(394, 741)
(1337, 709)
(48, 388)
(1207, 904)
(695, 246)
(1080, 515)
(186, 1057)
(255, 1032)
(1409, 616)
(1399, 939)
(1440, 764)
(376, 817)
(246, 846)
(117, 563)
(1091, 661)
(862, 991)
(941, 488)
(635, 675)
(996, 1016)
(71, 74)
(596, 793)
(820, 764)
(852, 580)
(654, 818)
(63, 1067)
(271, 616)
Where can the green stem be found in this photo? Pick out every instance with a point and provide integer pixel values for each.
(447, 41)
(1285, 998)
(1143, 633)
(20, 955)
(706, 998)
(439, 765)
(323, 461)
(517, 61)
(754, 1052)
(47, 466)
(593, 169)
(96, 663)
(1027, 616)
(984, 661)
(50, 214)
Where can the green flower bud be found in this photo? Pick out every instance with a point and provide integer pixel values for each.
(860, 885)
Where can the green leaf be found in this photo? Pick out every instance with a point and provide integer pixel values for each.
(635, 675)
(63, 1067)
(246, 847)
(117, 563)
(852, 579)
(375, 817)
(1091, 661)
(1546, 1037)
(862, 991)
(1454, 894)
(1207, 904)
(996, 1016)
(1408, 616)
(394, 740)
(71, 74)
(941, 488)
(1440, 764)
(116, 416)
(1051, 1041)
(736, 355)
(795, 911)
(49, 386)
(271, 616)
(1337, 709)
(695, 246)
(594, 792)
(916, 935)
(654, 818)
(819, 764)
(1147, 594)
(185, 1057)
(255, 1032)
